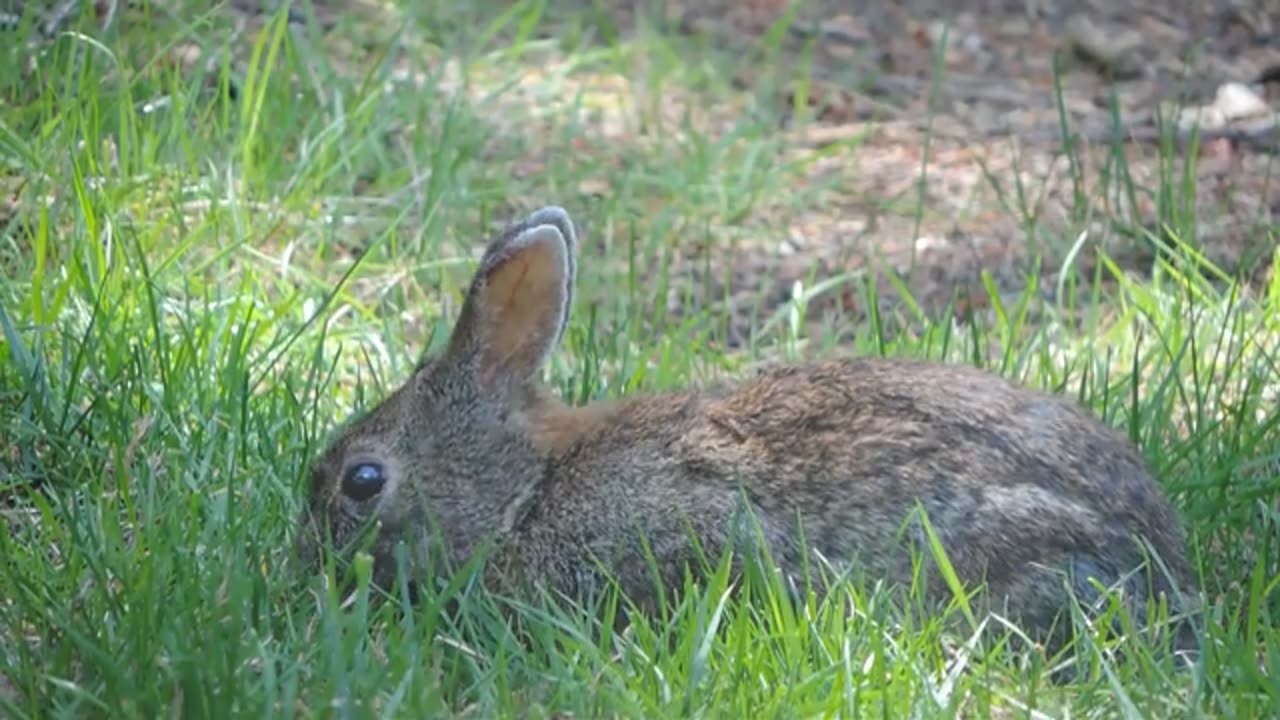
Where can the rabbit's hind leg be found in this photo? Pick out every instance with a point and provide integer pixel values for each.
(1042, 603)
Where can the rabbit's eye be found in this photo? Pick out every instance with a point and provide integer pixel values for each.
(363, 481)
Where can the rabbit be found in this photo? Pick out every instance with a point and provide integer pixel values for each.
(1031, 498)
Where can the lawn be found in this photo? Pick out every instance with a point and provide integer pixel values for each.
(208, 265)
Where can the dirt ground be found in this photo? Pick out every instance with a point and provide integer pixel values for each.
(1001, 183)
(967, 93)
(996, 120)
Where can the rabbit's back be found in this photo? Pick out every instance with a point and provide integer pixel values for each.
(853, 445)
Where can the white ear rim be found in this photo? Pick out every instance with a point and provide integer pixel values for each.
(553, 215)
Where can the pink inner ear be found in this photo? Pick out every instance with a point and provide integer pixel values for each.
(518, 281)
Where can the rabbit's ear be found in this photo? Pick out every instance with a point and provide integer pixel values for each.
(518, 303)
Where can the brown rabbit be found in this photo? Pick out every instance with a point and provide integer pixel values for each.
(1029, 495)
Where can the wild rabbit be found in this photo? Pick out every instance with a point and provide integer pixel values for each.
(1028, 495)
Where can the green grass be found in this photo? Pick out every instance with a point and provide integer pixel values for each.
(197, 289)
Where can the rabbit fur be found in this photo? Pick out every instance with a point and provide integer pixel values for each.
(1030, 496)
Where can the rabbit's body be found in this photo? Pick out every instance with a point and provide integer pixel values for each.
(1017, 485)
(1028, 494)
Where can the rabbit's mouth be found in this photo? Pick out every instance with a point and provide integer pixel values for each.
(315, 549)
(307, 543)
(322, 533)
(402, 554)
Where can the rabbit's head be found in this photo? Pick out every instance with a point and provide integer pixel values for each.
(449, 455)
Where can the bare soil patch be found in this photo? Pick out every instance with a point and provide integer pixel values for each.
(940, 141)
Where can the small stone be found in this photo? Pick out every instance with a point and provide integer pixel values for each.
(1236, 101)
(1208, 117)
(1114, 51)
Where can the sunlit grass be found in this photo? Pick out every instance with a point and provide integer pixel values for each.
(198, 287)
